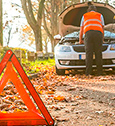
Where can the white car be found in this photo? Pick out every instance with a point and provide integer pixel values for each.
(69, 54)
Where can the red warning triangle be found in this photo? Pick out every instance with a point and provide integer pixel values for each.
(32, 117)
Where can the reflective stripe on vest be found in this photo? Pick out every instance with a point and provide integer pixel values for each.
(92, 21)
(92, 25)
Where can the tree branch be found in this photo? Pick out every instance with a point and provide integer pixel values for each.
(31, 11)
(26, 12)
(40, 10)
(46, 28)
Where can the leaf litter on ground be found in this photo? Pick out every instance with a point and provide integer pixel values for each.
(55, 91)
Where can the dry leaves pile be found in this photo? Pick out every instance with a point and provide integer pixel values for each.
(64, 95)
(45, 84)
(71, 99)
(10, 101)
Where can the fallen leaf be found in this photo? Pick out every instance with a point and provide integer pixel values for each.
(3, 111)
(50, 92)
(78, 97)
(71, 89)
(59, 98)
(40, 92)
(62, 119)
(2, 106)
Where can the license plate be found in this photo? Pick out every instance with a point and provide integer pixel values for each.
(83, 56)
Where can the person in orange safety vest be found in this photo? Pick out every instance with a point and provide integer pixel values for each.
(92, 26)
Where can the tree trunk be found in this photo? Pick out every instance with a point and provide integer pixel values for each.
(54, 22)
(38, 35)
(53, 44)
(38, 39)
(34, 23)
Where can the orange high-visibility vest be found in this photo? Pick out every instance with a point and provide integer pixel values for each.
(92, 21)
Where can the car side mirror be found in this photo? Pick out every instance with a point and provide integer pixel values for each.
(57, 37)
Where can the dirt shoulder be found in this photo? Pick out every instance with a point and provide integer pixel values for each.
(72, 99)
(82, 101)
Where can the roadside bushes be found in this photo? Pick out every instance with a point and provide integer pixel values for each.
(23, 54)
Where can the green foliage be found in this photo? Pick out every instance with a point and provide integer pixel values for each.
(32, 67)
(3, 51)
(28, 66)
(45, 62)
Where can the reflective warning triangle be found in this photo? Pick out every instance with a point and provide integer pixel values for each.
(32, 117)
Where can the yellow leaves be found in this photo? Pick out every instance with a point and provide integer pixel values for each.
(17, 110)
(16, 97)
(44, 79)
(43, 89)
(50, 92)
(39, 87)
(3, 111)
(40, 92)
(59, 98)
(2, 94)
(26, 28)
(47, 76)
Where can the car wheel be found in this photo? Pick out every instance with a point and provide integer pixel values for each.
(113, 68)
(60, 71)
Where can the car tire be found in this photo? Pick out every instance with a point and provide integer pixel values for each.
(113, 68)
(60, 71)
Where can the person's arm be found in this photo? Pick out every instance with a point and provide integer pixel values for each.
(103, 23)
(81, 31)
(103, 32)
(81, 35)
